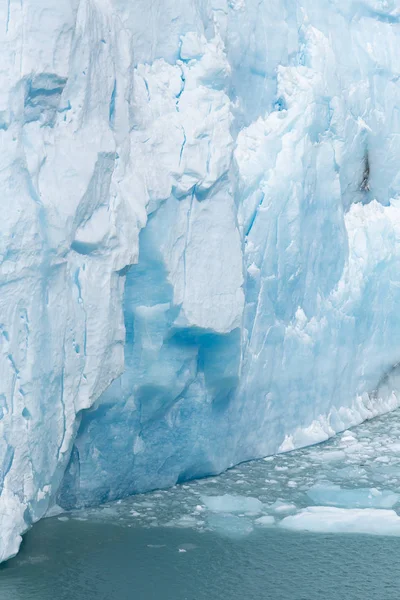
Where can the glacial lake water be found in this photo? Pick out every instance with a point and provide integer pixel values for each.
(91, 561)
(241, 536)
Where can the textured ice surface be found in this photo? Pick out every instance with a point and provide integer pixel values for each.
(199, 251)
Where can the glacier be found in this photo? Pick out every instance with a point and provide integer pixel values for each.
(200, 243)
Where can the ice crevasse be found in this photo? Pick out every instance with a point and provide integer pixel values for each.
(200, 238)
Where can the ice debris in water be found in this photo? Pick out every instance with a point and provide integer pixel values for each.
(352, 491)
(232, 504)
(230, 525)
(324, 519)
(280, 507)
(265, 521)
(333, 495)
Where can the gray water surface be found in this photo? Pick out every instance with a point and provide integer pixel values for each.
(91, 561)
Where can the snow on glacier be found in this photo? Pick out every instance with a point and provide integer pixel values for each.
(200, 242)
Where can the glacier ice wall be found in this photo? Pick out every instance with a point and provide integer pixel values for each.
(200, 242)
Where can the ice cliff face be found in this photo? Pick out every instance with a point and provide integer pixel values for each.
(200, 242)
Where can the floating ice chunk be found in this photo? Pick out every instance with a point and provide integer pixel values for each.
(265, 521)
(233, 504)
(333, 495)
(188, 546)
(281, 507)
(351, 472)
(186, 522)
(109, 511)
(355, 448)
(230, 525)
(348, 437)
(340, 520)
(333, 456)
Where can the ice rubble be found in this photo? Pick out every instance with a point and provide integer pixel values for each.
(232, 504)
(349, 484)
(200, 238)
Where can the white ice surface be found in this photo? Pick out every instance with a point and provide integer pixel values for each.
(322, 519)
(199, 244)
